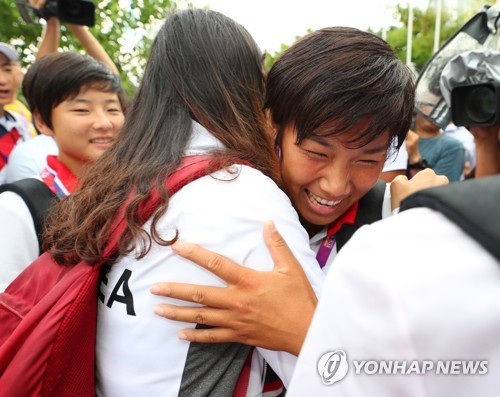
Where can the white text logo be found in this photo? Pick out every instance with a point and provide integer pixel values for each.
(440, 367)
(333, 367)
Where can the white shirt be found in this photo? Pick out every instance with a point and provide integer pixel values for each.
(467, 139)
(141, 355)
(397, 160)
(412, 287)
(18, 240)
(29, 158)
(12, 120)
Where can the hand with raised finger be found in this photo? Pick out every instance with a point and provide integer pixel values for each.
(272, 309)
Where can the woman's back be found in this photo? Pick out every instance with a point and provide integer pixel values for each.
(138, 352)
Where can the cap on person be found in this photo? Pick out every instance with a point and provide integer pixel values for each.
(9, 52)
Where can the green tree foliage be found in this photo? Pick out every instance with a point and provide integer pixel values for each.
(125, 28)
(423, 30)
(271, 58)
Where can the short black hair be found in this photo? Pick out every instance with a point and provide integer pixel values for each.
(337, 78)
(57, 77)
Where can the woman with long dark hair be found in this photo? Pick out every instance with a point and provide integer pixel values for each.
(202, 94)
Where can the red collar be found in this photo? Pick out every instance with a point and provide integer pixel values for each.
(349, 217)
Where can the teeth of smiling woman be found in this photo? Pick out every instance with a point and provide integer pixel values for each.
(322, 201)
(101, 140)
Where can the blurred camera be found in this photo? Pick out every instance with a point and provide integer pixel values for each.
(476, 105)
(467, 65)
(76, 12)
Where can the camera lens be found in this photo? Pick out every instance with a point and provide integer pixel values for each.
(480, 104)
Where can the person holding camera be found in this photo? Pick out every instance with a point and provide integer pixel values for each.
(51, 36)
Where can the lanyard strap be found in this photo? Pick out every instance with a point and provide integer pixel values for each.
(329, 240)
(325, 250)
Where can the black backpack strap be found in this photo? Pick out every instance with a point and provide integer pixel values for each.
(369, 211)
(37, 196)
(474, 205)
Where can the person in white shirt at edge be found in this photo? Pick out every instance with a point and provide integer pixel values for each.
(78, 103)
(202, 93)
